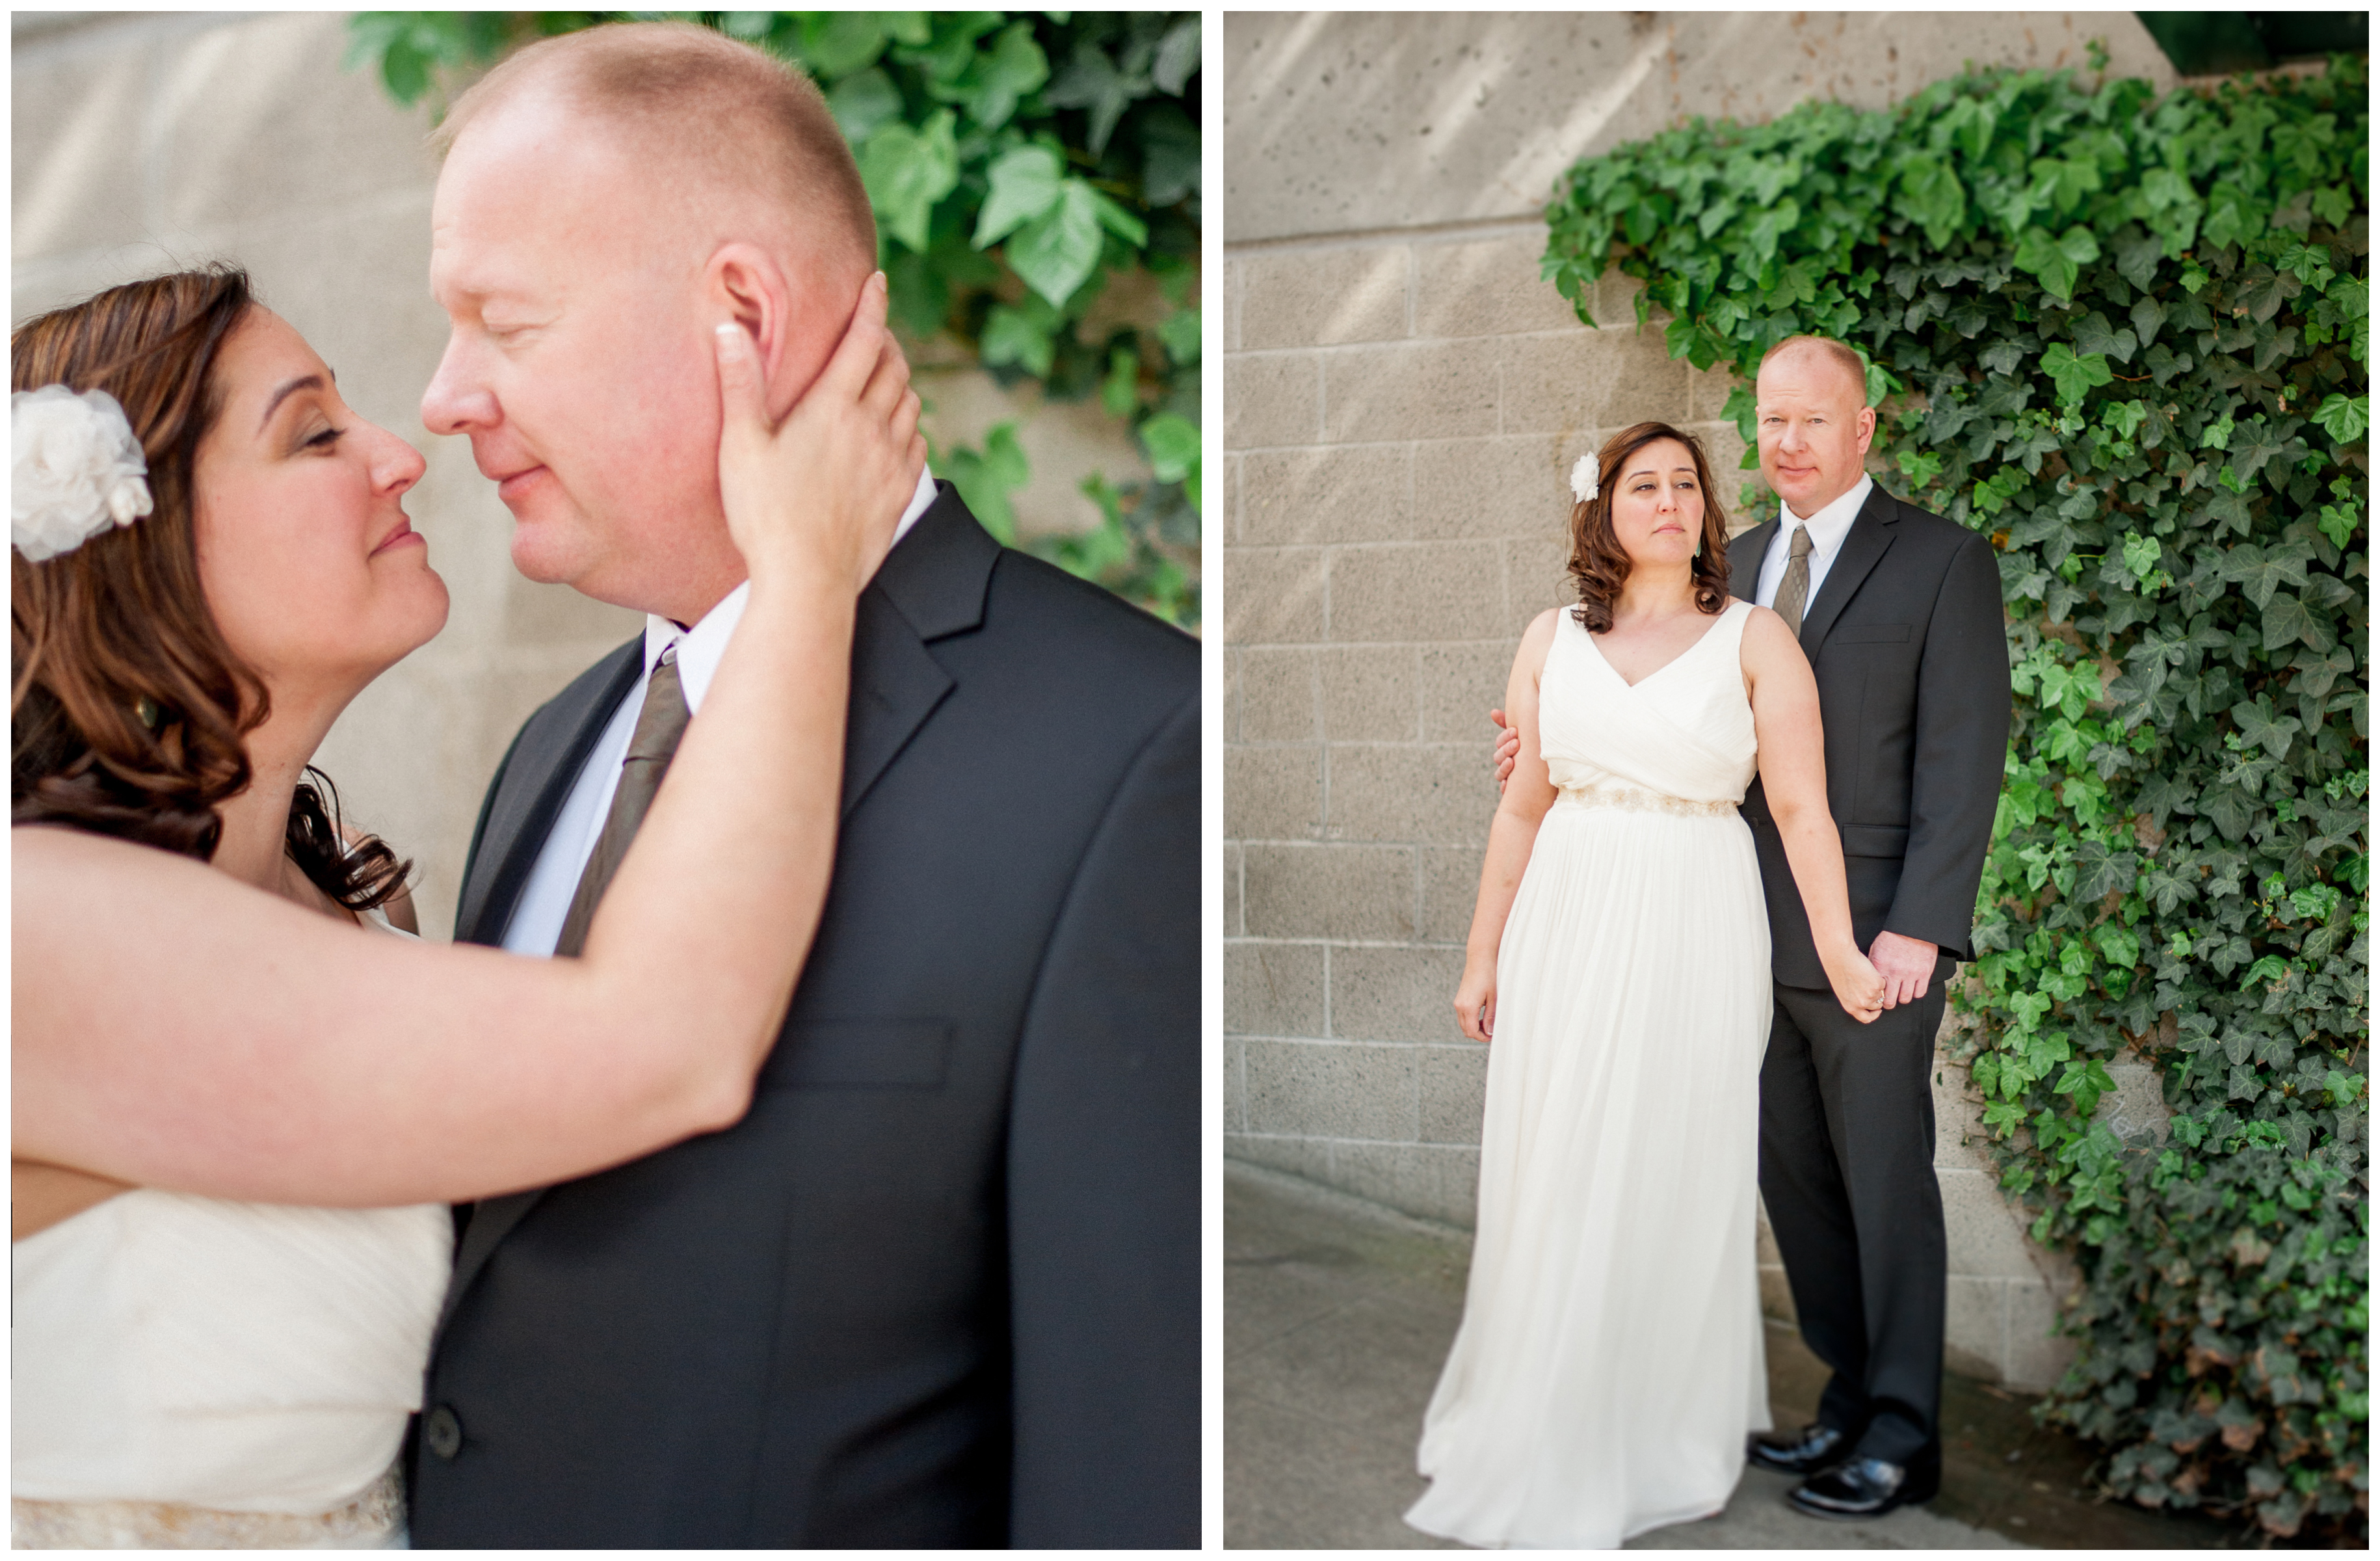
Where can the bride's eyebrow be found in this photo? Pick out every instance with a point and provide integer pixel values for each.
(303, 381)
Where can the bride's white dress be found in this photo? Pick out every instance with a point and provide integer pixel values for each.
(1609, 1365)
(192, 1372)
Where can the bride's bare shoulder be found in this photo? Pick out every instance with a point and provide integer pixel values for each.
(60, 860)
(1772, 650)
(1537, 640)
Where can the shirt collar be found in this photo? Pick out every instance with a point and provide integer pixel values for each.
(1833, 522)
(699, 648)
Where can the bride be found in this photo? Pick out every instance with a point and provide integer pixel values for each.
(242, 1100)
(1609, 1365)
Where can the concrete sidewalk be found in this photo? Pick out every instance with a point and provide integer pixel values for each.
(1338, 1315)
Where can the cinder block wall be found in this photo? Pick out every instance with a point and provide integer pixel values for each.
(1403, 417)
(1404, 400)
(142, 141)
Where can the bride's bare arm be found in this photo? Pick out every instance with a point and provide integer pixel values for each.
(173, 1028)
(1510, 836)
(1794, 776)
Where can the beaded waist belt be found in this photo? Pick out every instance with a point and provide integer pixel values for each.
(1630, 799)
(372, 1521)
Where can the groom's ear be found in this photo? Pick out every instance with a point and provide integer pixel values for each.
(745, 284)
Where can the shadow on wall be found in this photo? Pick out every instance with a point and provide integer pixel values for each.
(1349, 123)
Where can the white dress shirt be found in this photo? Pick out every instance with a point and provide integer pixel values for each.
(537, 921)
(1827, 530)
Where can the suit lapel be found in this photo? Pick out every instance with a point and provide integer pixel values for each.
(1743, 568)
(1865, 542)
(536, 781)
(932, 585)
(492, 1220)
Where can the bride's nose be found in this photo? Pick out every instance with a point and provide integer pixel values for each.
(397, 466)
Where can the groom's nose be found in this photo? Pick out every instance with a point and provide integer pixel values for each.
(456, 401)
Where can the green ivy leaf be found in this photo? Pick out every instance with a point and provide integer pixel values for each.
(2120, 944)
(2288, 621)
(1182, 334)
(995, 79)
(1119, 392)
(1177, 56)
(2074, 374)
(2093, 334)
(864, 103)
(2259, 726)
(836, 43)
(1057, 252)
(2058, 262)
(2099, 872)
(906, 171)
(1023, 336)
(1091, 80)
(2344, 418)
(1026, 183)
(1174, 446)
(1930, 195)
(986, 479)
(2272, 967)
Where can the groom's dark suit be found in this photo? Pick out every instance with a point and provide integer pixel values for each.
(1907, 641)
(941, 1286)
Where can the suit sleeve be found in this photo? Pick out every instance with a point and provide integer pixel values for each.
(1960, 755)
(1104, 1179)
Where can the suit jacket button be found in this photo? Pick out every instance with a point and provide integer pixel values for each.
(441, 1432)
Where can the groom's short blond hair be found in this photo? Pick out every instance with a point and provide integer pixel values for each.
(688, 99)
(1841, 354)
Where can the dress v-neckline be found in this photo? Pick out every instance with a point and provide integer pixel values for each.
(1719, 618)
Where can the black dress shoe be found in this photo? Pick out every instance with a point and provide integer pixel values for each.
(1862, 1487)
(1805, 1451)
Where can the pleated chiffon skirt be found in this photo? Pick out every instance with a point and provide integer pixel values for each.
(1609, 1363)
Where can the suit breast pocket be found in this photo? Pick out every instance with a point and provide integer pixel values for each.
(860, 1054)
(1869, 634)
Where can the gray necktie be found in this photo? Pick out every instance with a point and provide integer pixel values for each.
(660, 725)
(1794, 594)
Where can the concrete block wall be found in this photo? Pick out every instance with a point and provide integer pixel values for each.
(1401, 421)
(144, 141)
(1403, 399)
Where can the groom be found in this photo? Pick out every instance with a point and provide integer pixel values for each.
(1899, 612)
(939, 1288)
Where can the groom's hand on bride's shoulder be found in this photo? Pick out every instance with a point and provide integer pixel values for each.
(1507, 747)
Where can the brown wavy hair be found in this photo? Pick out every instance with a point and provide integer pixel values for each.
(1599, 566)
(127, 708)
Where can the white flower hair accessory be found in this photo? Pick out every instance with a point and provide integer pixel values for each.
(1585, 476)
(78, 470)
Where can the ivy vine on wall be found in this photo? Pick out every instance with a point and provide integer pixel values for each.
(2126, 337)
(1020, 163)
